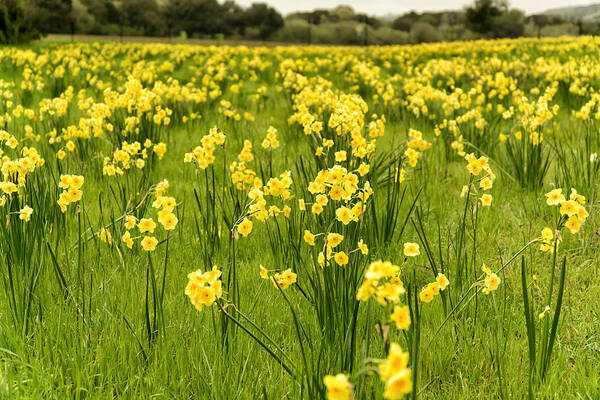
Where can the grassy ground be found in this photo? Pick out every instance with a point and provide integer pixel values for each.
(90, 341)
(53, 37)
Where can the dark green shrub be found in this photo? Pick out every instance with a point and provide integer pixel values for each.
(16, 25)
(422, 32)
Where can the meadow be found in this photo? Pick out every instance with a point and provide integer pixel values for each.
(228, 222)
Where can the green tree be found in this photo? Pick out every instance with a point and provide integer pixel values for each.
(480, 16)
(144, 15)
(16, 23)
(422, 32)
(82, 18)
(344, 13)
(105, 11)
(266, 19)
(509, 24)
(196, 17)
(493, 18)
(405, 21)
(53, 16)
(233, 17)
(314, 17)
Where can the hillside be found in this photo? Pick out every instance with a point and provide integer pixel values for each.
(587, 13)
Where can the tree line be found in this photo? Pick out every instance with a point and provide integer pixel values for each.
(22, 20)
(188, 18)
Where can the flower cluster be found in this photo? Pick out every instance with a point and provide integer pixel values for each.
(396, 375)
(338, 184)
(432, 289)
(25, 213)
(331, 241)
(282, 279)
(270, 141)
(165, 216)
(204, 289)
(416, 145)
(572, 211)
(242, 176)
(393, 372)
(381, 282)
(18, 169)
(203, 155)
(475, 166)
(549, 240)
(71, 185)
(129, 155)
(278, 188)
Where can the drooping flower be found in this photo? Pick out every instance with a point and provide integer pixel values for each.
(126, 238)
(285, 279)
(411, 249)
(25, 213)
(263, 272)
(554, 197)
(491, 280)
(309, 237)
(338, 387)
(167, 219)
(149, 243)
(442, 281)
(146, 225)
(105, 236)
(486, 200)
(401, 317)
(341, 258)
(363, 247)
(245, 227)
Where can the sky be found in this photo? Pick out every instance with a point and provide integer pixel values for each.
(384, 7)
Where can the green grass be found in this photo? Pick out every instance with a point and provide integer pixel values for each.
(85, 343)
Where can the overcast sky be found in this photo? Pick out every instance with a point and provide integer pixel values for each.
(383, 7)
